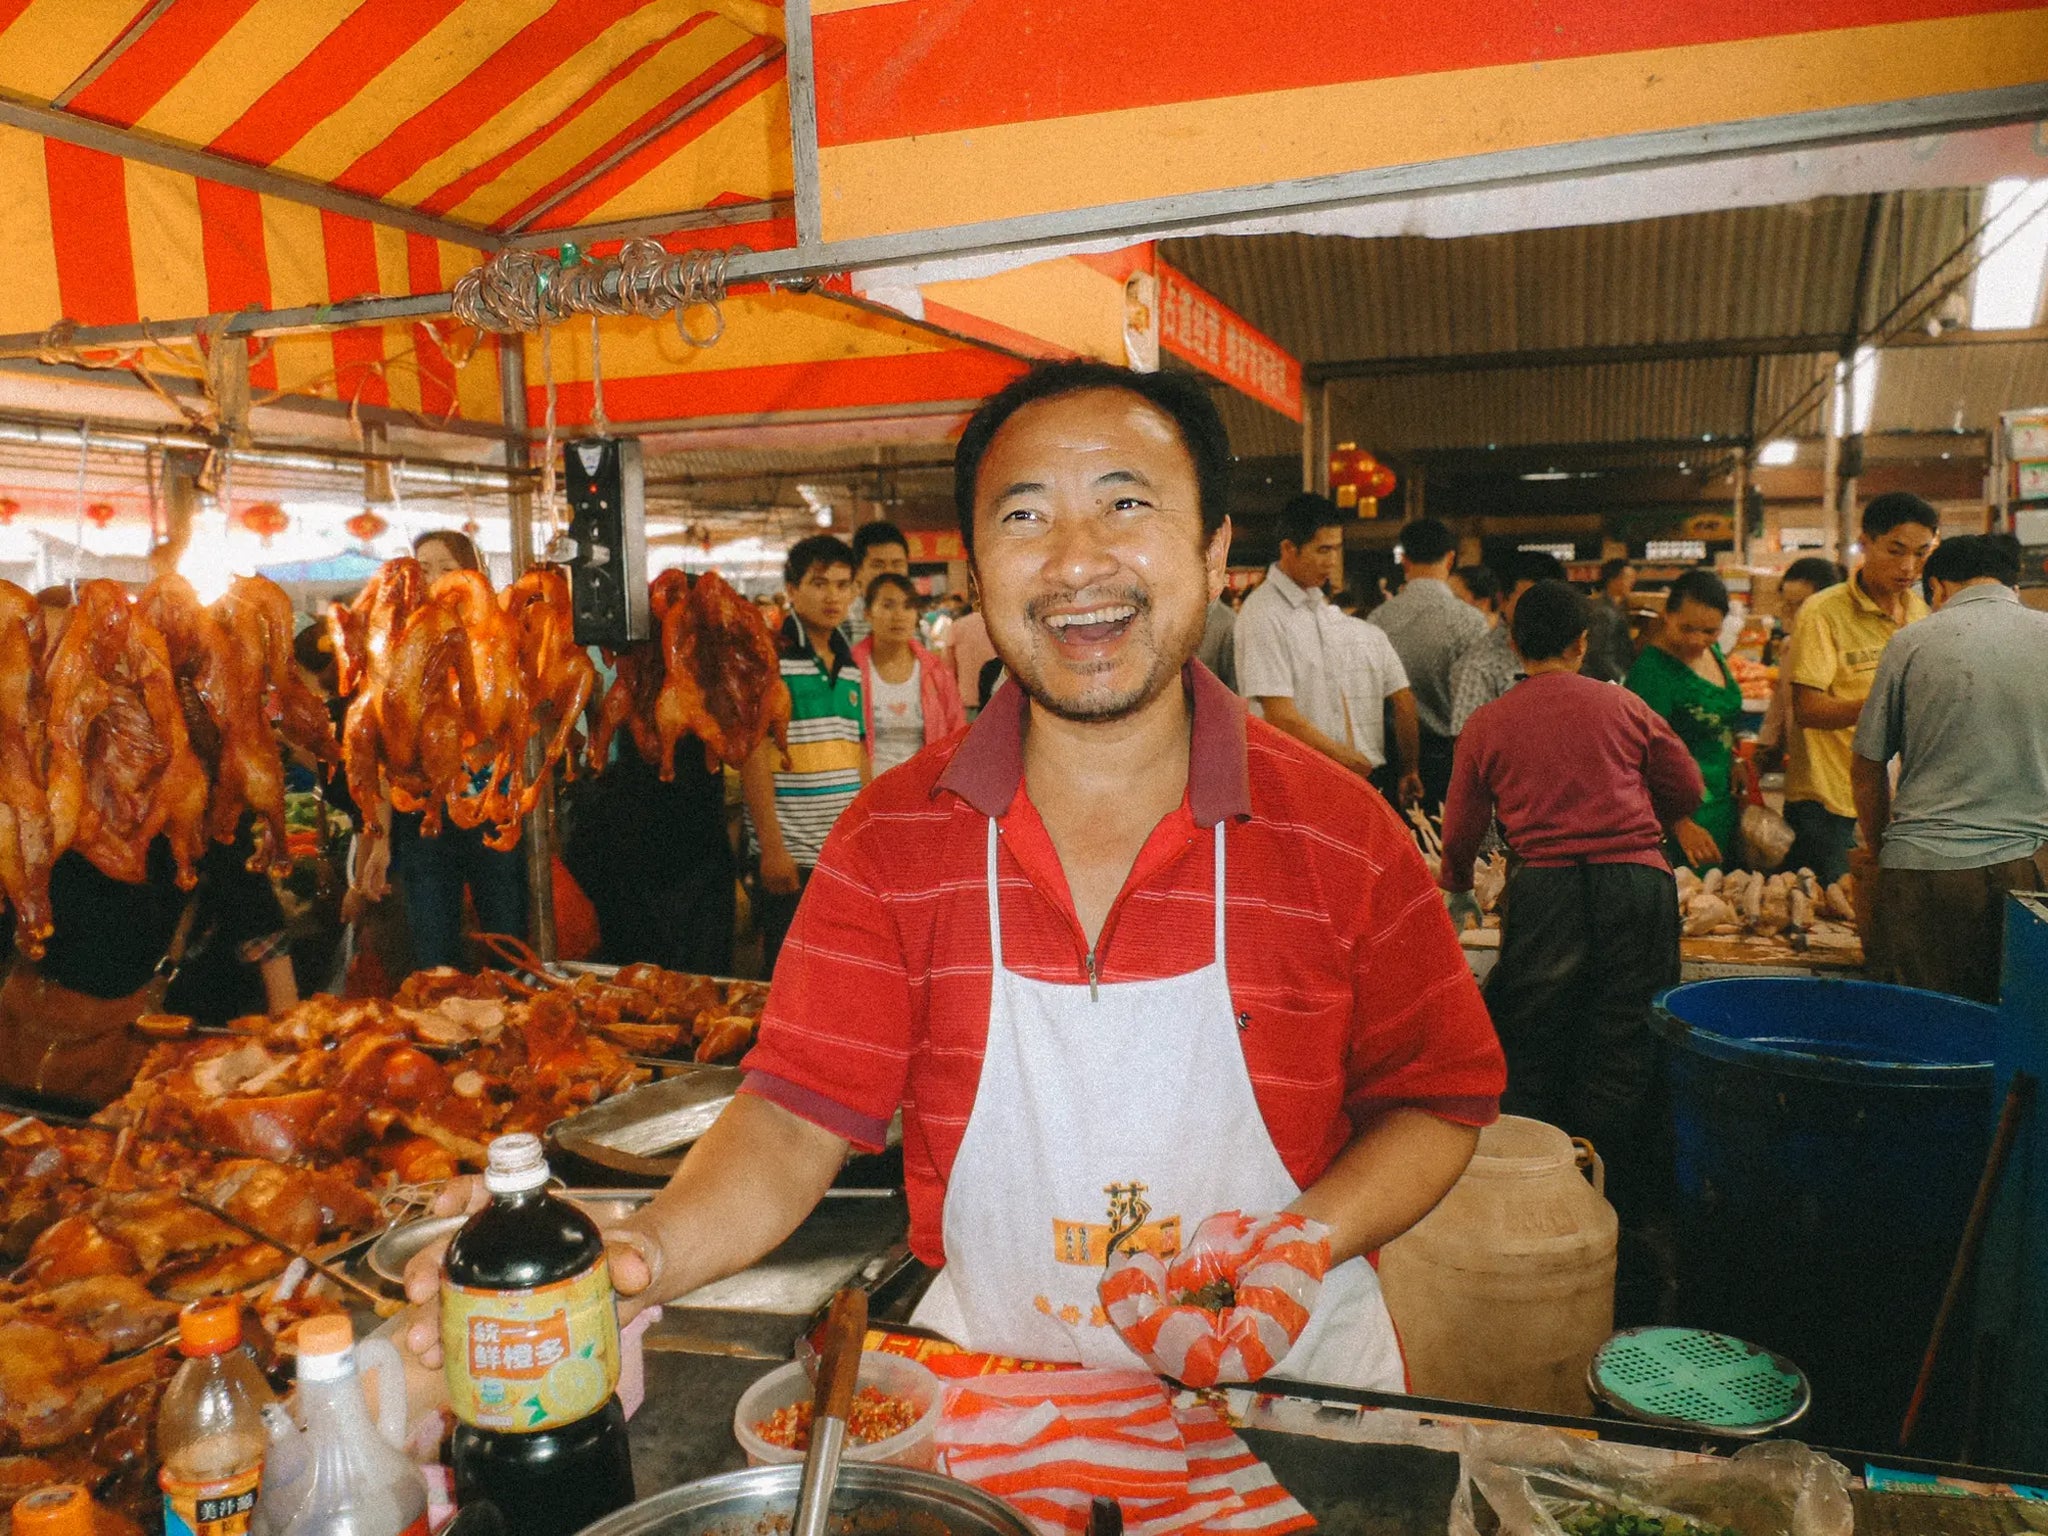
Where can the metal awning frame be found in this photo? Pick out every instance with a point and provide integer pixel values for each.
(812, 257)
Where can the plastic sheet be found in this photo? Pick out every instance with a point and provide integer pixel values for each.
(1526, 1481)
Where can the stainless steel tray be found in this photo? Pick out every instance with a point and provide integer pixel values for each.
(394, 1248)
(644, 1131)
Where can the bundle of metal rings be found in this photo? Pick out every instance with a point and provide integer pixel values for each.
(523, 290)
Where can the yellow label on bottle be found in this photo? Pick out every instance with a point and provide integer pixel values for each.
(214, 1507)
(531, 1360)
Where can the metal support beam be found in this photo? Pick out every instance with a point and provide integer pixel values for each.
(1568, 357)
(721, 217)
(1322, 466)
(1831, 471)
(803, 127)
(1308, 441)
(640, 141)
(539, 841)
(133, 144)
(114, 50)
(250, 322)
(1199, 210)
(1741, 496)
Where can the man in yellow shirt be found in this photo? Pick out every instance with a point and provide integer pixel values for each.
(1841, 633)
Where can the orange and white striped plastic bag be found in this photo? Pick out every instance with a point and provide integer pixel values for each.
(1049, 1442)
(1229, 1306)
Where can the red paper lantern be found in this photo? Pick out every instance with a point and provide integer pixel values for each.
(265, 519)
(100, 513)
(366, 525)
(10, 509)
(1358, 480)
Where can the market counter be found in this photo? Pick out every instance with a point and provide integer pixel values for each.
(684, 1432)
(1353, 1486)
(1707, 957)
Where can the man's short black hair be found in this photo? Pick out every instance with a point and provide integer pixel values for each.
(1817, 571)
(1884, 513)
(1550, 616)
(1427, 540)
(1306, 515)
(1177, 396)
(1609, 569)
(1480, 581)
(1973, 556)
(868, 535)
(1533, 565)
(1698, 585)
(806, 555)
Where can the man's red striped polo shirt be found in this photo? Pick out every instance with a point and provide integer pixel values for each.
(1352, 994)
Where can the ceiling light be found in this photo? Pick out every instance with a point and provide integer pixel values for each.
(1777, 453)
(1548, 474)
(2006, 293)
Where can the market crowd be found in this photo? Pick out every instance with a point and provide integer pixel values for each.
(1909, 718)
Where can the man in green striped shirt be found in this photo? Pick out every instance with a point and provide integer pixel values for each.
(790, 811)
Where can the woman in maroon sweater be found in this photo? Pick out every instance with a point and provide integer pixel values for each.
(1586, 779)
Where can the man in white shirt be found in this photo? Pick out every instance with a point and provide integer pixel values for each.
(1305, 667)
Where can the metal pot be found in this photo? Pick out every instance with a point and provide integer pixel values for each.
(868, 1501)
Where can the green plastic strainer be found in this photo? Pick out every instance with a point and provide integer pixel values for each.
(1688, 1378)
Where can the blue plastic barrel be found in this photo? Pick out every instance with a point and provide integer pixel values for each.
(1829, 1137)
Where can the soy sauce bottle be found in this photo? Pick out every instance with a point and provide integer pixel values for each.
(530, 1336)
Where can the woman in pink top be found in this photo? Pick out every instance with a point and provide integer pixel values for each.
(908, 696)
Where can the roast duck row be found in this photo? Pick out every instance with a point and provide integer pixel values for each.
(148, 715)
(449, 682)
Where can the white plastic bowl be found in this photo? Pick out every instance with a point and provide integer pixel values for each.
(916, 1447)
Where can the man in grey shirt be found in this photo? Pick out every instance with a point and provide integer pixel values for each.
(1961, 699)
(1430, 627)
(1490, 667)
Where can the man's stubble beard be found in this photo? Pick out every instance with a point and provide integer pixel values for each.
(1166, 669)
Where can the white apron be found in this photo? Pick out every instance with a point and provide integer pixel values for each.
(1106, 1108)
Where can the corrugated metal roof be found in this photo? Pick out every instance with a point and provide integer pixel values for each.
(1743, 272)
(1728, 276)
(1960, 388)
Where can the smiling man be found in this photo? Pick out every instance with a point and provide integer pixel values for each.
(1123, 957)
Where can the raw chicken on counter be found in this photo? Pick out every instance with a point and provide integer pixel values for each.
(1747, 902)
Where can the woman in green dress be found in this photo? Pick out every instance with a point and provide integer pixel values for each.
(1682, 675)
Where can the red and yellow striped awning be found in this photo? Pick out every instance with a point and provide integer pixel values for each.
(934, 113)
(498, 114)
(166, 160)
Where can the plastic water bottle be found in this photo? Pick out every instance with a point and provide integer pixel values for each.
(530, 1332)
(346, 1475)
(209, 1428)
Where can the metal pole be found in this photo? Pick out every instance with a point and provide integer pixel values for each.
(1308, 440)
(1323, 439)
(539, 839)
(1831, 471)
(1741, 478)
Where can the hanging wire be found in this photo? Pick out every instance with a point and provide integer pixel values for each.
(547, 468)
(523, 290)
(78, 508)
(597, 416)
